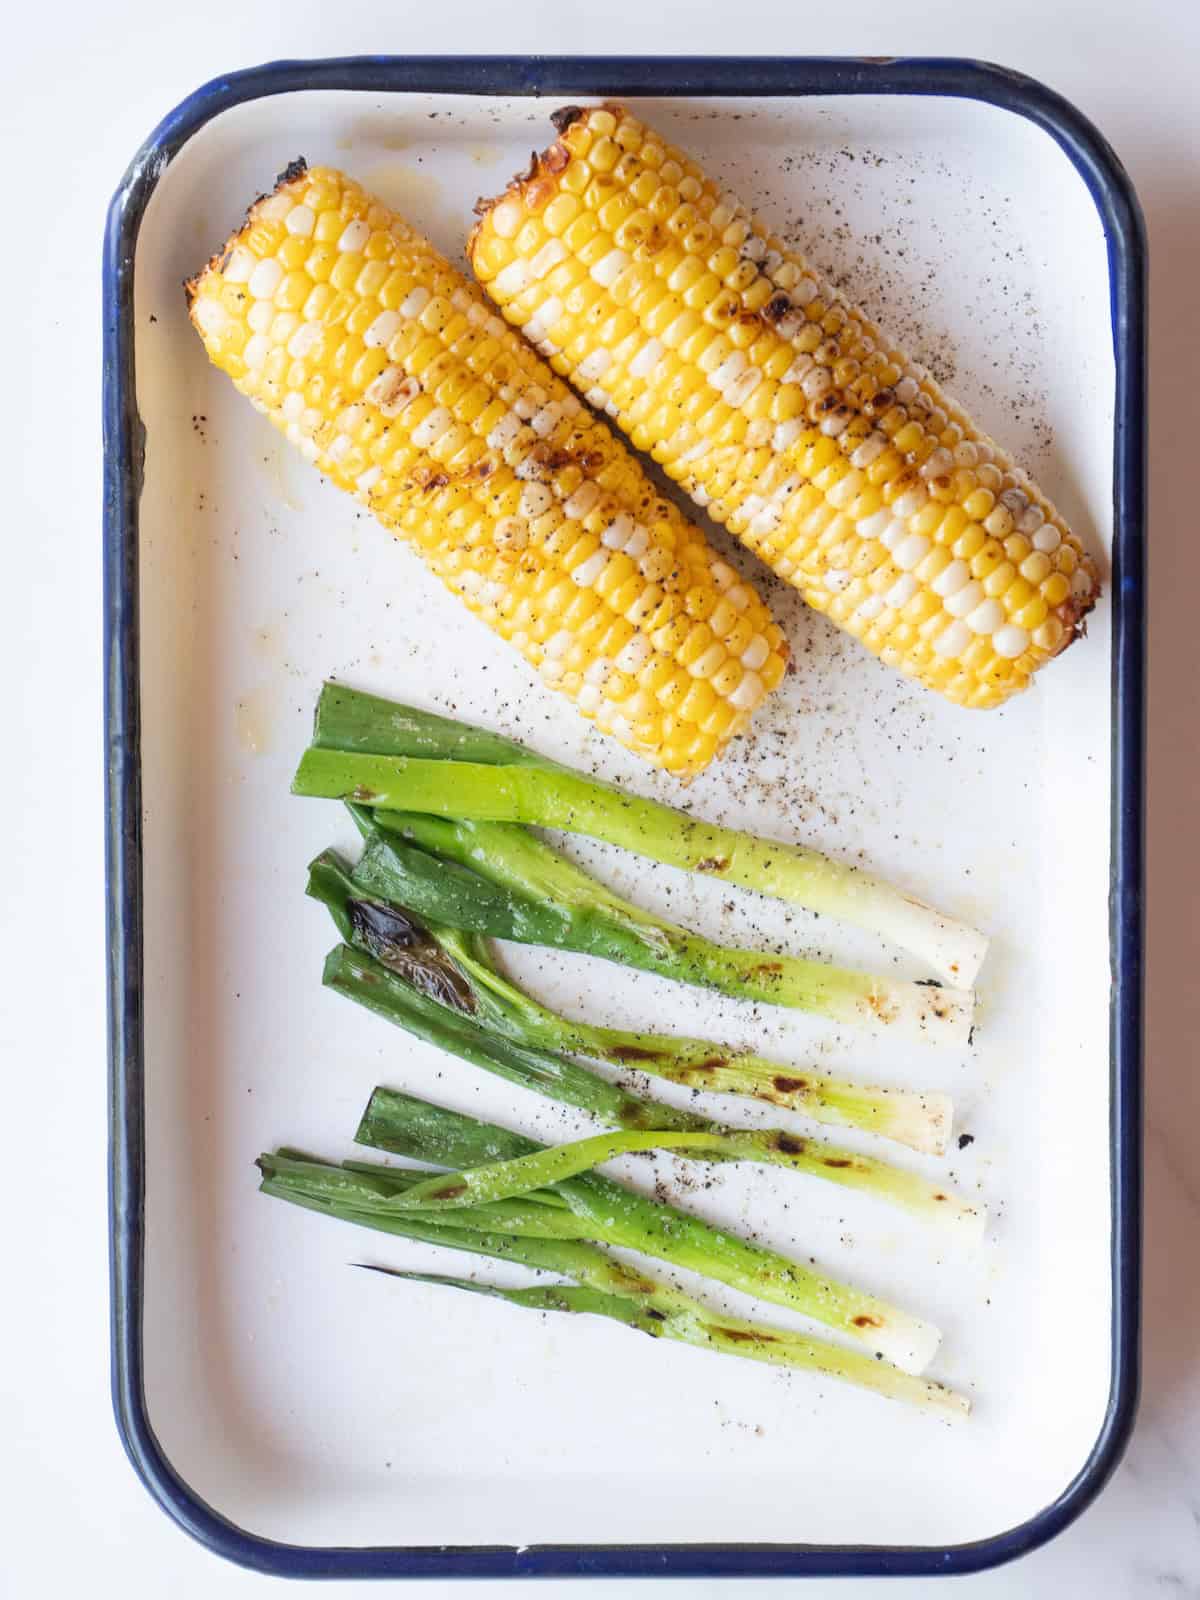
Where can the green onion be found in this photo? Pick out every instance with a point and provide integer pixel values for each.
(396, 757)
(502, 1180)
(604, 1286)
(399, 970)
(425, 987)
(441, 986)
(498, 880)
(618, 1216)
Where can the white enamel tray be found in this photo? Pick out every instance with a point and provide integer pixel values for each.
(274, 1397)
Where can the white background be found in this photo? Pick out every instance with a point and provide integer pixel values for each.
(82, 87)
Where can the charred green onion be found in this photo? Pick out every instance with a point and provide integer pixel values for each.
(441, 985)
(499, 880)
(602, 1286)
(397, 757)
(618, 1216)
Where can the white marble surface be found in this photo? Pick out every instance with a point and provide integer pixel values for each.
(81, 87)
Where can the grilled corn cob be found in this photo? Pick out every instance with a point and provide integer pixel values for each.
(396, 378)
(781, 409)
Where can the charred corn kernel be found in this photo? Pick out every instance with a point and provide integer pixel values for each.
(395, 378)
(785, 413)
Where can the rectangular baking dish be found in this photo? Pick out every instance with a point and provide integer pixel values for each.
(311, 1421)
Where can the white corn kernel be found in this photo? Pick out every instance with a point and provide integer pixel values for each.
(506, 218)
(938, 465)
(548, 257)
(240, 266)
(505, 431)
(586, 573)
(902, 591)
(909, 503)
(817, 383)
(1046, 538)
(835, 425)
(414, 302)
(732, 367)
(986, 618)
(536, 500)
(1010, 641)
(265, 279)
(618, 532)
(873, 527)
(594, 365)
(431, 428)
(964, 599)
(951, 579)
(911, 551)
(740, 390)
(582, 501)
(787, 433)
(300, 221)
(953, 640)
(382, 330)
(765, 522)
(211, 317)
(709, 661)
(305, 339)
(550, 312)
(512, 279)
(635, 654)
(869, 451)
(530, 401)
(894, 534)
(646, 359)
(609, 268)
(802, 365)
(354, 236)
(748, 693)
(755, 654)
(274, 208)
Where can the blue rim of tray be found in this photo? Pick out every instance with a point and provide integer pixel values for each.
(592, 77)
